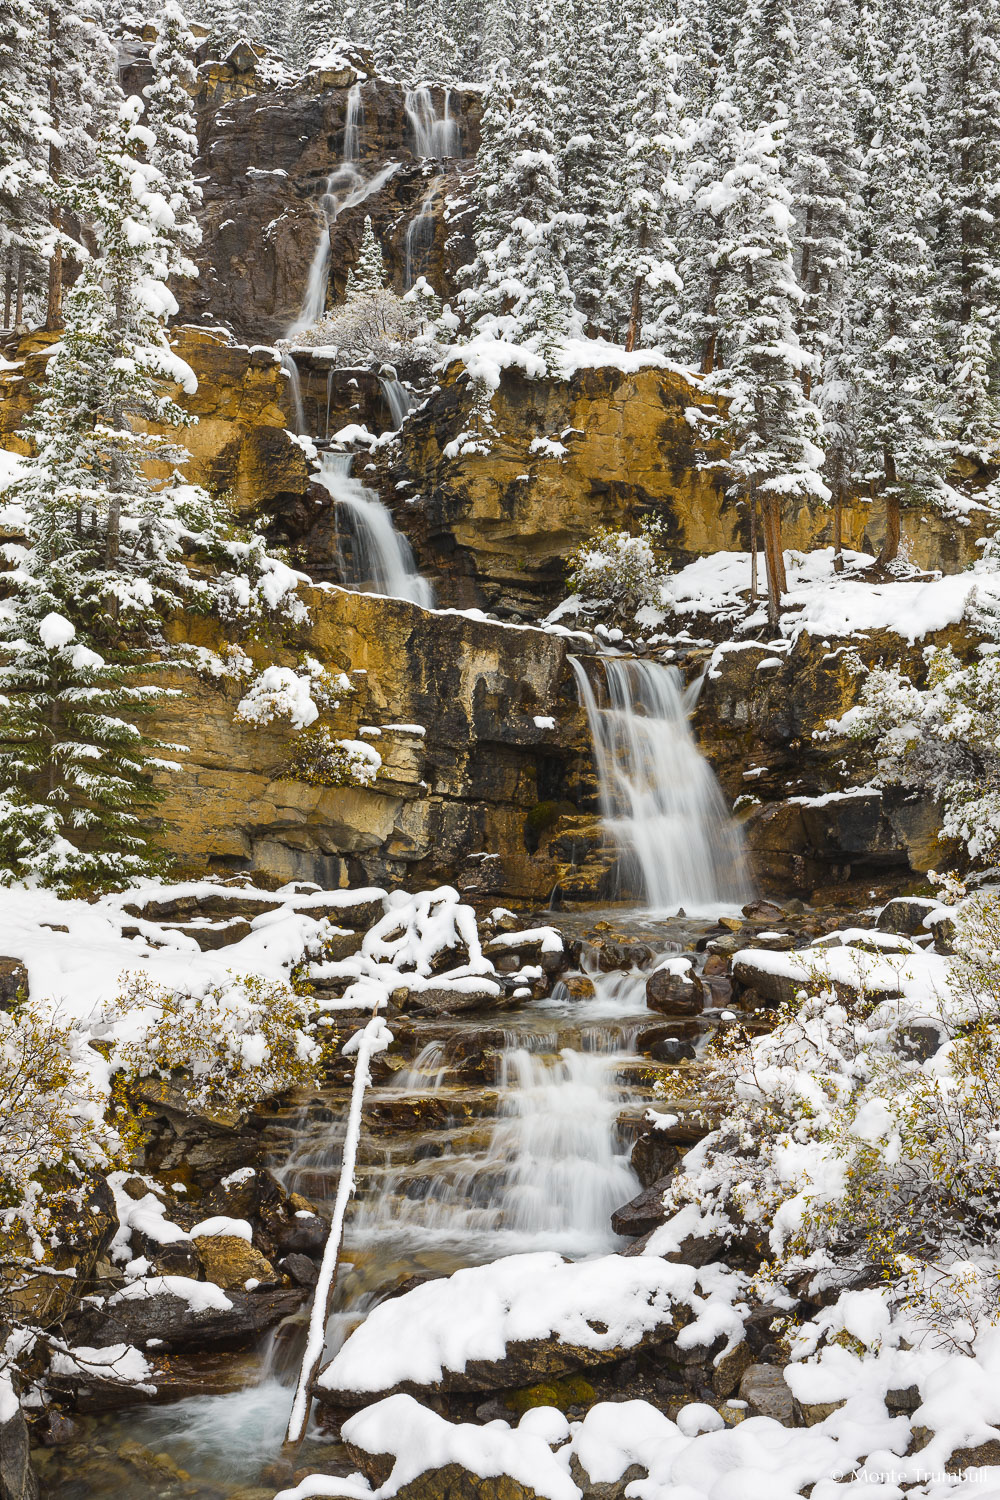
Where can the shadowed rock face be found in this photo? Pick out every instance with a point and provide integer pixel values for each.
(265, 161)
(451, 803)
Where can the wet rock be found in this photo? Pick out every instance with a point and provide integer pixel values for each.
(443, 1000)
(579, 986)
(58, 1429)
(763, 911)
(766, 1393)
(654, 1157)
(672, 1049)
(13, 981)
(300, 1269)
(178, 1325)
(211, 937)
(905, 915)
(642, 1213)
(694, 1250)
(231, 1261)
(17, 1477)
(674, 992)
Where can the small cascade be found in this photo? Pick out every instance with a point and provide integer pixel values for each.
(660, 801)
(291, 369)
(434, 137)
(381, 560)
(397, 399)
(418, 241)
(345, 188)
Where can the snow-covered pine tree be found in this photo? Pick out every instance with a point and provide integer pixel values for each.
(87, 596)
(517, 288)
(317, 24)
(896, 329)
(968, 130)
(826, 164)
(170, 116)
(772, 430)
(21, 207)
(642, 279)
(588, 161)
(367, 275)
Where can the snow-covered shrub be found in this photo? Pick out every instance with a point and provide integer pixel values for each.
(618, 569)
(238, 1043)
(299, 697)
(851, 1158)
(943, 738)
(323, 760)
(54, 1134)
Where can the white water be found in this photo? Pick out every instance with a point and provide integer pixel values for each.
(419, 238)
(397, 399)
(291, 369)
(382, 562)
(346, 187)
(433, 136)
(660, 801)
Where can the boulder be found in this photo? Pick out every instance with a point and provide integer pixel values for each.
(654, 1157)
(13, 981)
(231, 1261)
(766, 1393)
(643, 1212)
(905, 915)
(198, 1319)
(674, 991)
(17, 1477)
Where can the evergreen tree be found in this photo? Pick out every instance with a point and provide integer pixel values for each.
(21, 56)
(367, 275)
(643, 283)
(771, 428)
(519, 290)
(895, 363)
(587, 157)
(172, 151)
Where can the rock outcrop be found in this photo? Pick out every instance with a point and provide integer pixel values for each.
(498, 525)
(449, 702)
(267, 156)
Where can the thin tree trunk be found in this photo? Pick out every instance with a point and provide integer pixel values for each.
(711, 343)
(838, 530)
(890, 547)
(776, 581)
(8, 287)
(635, 317)
(753, 543)
(19, 304)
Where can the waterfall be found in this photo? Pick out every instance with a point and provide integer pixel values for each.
(419, 239)
(432, 137)
(345, 188)
(291, 369)
(382, 562)
(659, 798)
(397, 399)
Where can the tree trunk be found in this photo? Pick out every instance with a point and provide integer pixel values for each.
(635, 317)
(838, 531)
(753, 543)
(711, 343)
(19, 304)
(8, 288)
(776, 581)
(890, 547)
(53, 308)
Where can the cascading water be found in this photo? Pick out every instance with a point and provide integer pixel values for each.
(397, 399)
(291, 369)
(345, 188)
(381, 559)
(419, 238)
(660, 801)
(434, 136)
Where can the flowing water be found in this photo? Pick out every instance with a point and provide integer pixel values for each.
(418, 241)
(346, 187)
(380, 560)
(434, 136)
(291, 369)
(660, 802)
(397, 398)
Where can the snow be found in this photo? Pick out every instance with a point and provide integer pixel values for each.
(221, 1225)
(606, 1303)
(55, 631)
(544, 721)
(200, 1296)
